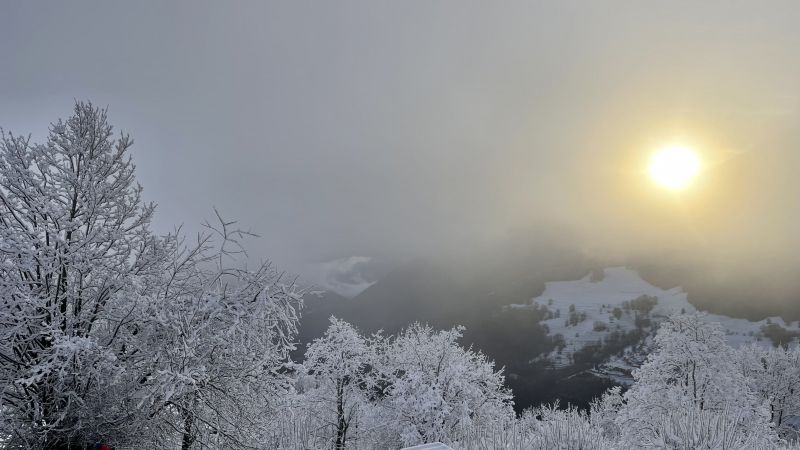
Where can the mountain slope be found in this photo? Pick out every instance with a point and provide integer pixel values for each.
(608, 318)
(517, 312)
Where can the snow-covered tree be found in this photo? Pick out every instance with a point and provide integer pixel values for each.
(692, 428)
(691, 374)
(340, 367)
(73, 232)
(774, 375)
(109, 333)
(603, 412)
(550, 427)
(212, 348)
(436, 386)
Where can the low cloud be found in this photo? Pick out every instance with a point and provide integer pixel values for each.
(347, 276)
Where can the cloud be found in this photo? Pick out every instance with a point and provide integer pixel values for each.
(347, 276)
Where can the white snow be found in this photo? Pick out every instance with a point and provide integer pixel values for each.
(433, 446)
(597, 300)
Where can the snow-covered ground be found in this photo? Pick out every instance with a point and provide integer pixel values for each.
(597, 309)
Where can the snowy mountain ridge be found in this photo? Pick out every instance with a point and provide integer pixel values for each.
(610, 319)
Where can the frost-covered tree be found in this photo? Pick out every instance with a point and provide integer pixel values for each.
(340, 367)
(110, 333)
(603, 412)
(212, 347)
(693, 428)
(550, 427)
(691, 374)
(73, 232)
(436, 386)
(388, 392)
(774, 375)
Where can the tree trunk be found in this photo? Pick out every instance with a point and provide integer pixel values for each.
(188, 423)
(341, 420)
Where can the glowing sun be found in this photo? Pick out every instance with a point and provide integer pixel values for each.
(674, 168)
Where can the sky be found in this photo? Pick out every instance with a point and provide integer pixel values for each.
(347, 132)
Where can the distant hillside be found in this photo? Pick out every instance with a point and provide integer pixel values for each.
(607, 320)
(503, 298)
(445, 293)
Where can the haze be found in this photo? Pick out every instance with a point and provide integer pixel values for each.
(364, 130)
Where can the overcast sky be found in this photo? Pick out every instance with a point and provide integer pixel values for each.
(393, 130)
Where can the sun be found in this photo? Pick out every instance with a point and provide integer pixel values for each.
(675, 167)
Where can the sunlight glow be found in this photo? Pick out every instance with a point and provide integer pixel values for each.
(674, 167)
